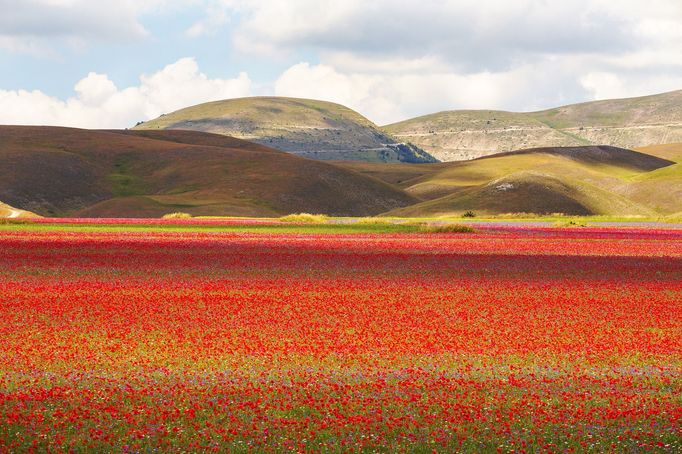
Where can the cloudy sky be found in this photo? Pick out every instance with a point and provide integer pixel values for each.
(104, 64)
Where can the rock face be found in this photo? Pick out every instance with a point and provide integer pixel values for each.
(312, 129)
(470, 134)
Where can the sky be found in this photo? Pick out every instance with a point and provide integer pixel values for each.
(104, 64)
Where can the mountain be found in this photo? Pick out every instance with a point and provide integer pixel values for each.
(571, 180)
(469, 134)
(313, 129)
(73, 172)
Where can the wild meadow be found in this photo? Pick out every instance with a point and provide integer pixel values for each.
(215, 337)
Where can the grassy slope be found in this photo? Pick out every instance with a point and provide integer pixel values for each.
(581, 181)
(61, 171)
(626, 123)
(196, 138)
(393, 173)
(6, 211)
(662, 188)
(657, 109)
(311, 128)
(671, 151)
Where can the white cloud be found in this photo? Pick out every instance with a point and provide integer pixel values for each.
(25, 45)
(324, 82)
(215, 17)
(98, 103)
(394, 59)
(390, 97)
(389, 59)
(95, 89)
(69, 18)
(607, 85)
(470, 34)
(35, 27)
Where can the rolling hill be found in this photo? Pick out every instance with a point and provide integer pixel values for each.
(72, 172)
(571, 180)
(313, 129)
(469, 134)
(661, 189)
(671, 151)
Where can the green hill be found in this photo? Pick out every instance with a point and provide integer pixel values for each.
(573, 180)
(529, 192)
(72, 172)
(469, 134)
(309, 128)
(671, 151)
(661, 189)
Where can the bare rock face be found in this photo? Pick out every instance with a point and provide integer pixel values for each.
(624, 123)
(312, 129)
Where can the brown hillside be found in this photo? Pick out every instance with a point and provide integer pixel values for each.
(196, 138)
(62, 171)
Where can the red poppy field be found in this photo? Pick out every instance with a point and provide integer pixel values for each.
(508, 339)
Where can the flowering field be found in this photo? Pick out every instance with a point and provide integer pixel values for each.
(511, 339)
